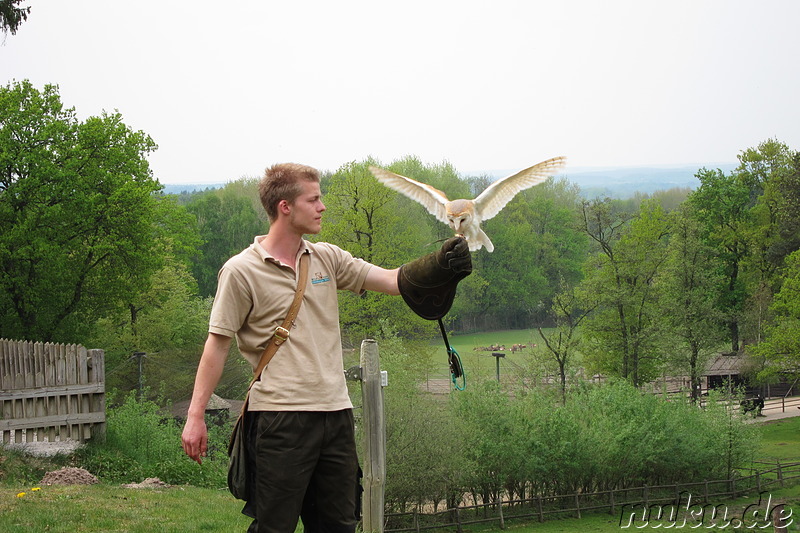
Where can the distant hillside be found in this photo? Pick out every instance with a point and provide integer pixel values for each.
(624, 182)
(620, 182)
(178, 188)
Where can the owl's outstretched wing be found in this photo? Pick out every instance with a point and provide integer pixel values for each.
(432, 199)
(498, 194)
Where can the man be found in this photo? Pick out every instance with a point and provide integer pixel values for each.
(300, 421)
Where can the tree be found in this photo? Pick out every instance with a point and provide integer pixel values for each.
(771, 235)
(170, 326)
(536, 245)
(76, 209)
(722, 205)
(781, 347)
(11, 16)
(568, 310)
(689, 285)
(786, 187)
(376, 224)
(228, 222)
(748, 218)
(166, 319)
(623, 332)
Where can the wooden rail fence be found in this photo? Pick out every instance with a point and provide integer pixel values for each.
(617, 502)
(50, 392)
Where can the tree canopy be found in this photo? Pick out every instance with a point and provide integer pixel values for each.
(12, 16)
(76, 209)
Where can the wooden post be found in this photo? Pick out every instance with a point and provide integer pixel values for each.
(375, 436)
(500, 512)
(779, 519)
(497, 356)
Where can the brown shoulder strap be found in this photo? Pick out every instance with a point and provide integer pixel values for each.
(282, 332)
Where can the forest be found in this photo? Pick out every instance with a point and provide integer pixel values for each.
(93, 252)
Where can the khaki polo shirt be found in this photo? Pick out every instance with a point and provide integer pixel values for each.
(254, 293)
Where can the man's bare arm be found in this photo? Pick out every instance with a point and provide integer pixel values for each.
(382, 280)
(209, 372)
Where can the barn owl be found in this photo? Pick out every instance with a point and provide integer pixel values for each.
(465, 216)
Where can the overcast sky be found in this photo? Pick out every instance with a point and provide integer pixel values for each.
(228, 88)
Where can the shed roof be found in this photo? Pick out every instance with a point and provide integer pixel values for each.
(726, 364)
(215, 402)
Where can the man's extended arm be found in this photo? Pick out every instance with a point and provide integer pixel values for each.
(427, 284)
(382, 280)
(209, 372)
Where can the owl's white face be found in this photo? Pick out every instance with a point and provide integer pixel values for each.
(459, 222)
(459, 215)
(456, 223)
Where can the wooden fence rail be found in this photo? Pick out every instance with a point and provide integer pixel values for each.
(632, 500)
(50, 392)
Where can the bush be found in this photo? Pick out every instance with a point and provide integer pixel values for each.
(143, 442)
(607, 436)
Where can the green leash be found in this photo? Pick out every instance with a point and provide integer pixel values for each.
(453, 359)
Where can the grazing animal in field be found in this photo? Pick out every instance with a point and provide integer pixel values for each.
(753, 404)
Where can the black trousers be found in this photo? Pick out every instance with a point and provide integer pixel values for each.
(304, 465)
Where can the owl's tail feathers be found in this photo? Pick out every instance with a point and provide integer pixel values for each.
(479, 240)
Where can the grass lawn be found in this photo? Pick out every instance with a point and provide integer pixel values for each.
(482, 362)
(106, 508)
(781, 440)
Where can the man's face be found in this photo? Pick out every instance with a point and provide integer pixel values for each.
(306, 210)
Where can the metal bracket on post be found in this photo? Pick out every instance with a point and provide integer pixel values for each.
(353, 373)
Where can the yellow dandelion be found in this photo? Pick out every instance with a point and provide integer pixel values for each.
(20, 495)
(35, 489)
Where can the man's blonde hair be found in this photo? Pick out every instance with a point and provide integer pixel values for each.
(283, 182)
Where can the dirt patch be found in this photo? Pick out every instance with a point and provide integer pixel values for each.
(69, 476)
(149, 483)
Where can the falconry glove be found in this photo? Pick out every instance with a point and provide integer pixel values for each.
(428, 284)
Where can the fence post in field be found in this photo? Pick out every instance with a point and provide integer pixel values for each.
(780, 520)
(500, 512)
(375, 436)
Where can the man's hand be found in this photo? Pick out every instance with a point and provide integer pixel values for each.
(455, 255)
(195, 439)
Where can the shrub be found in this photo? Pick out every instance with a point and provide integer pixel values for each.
(606, 436)
(141, 442)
